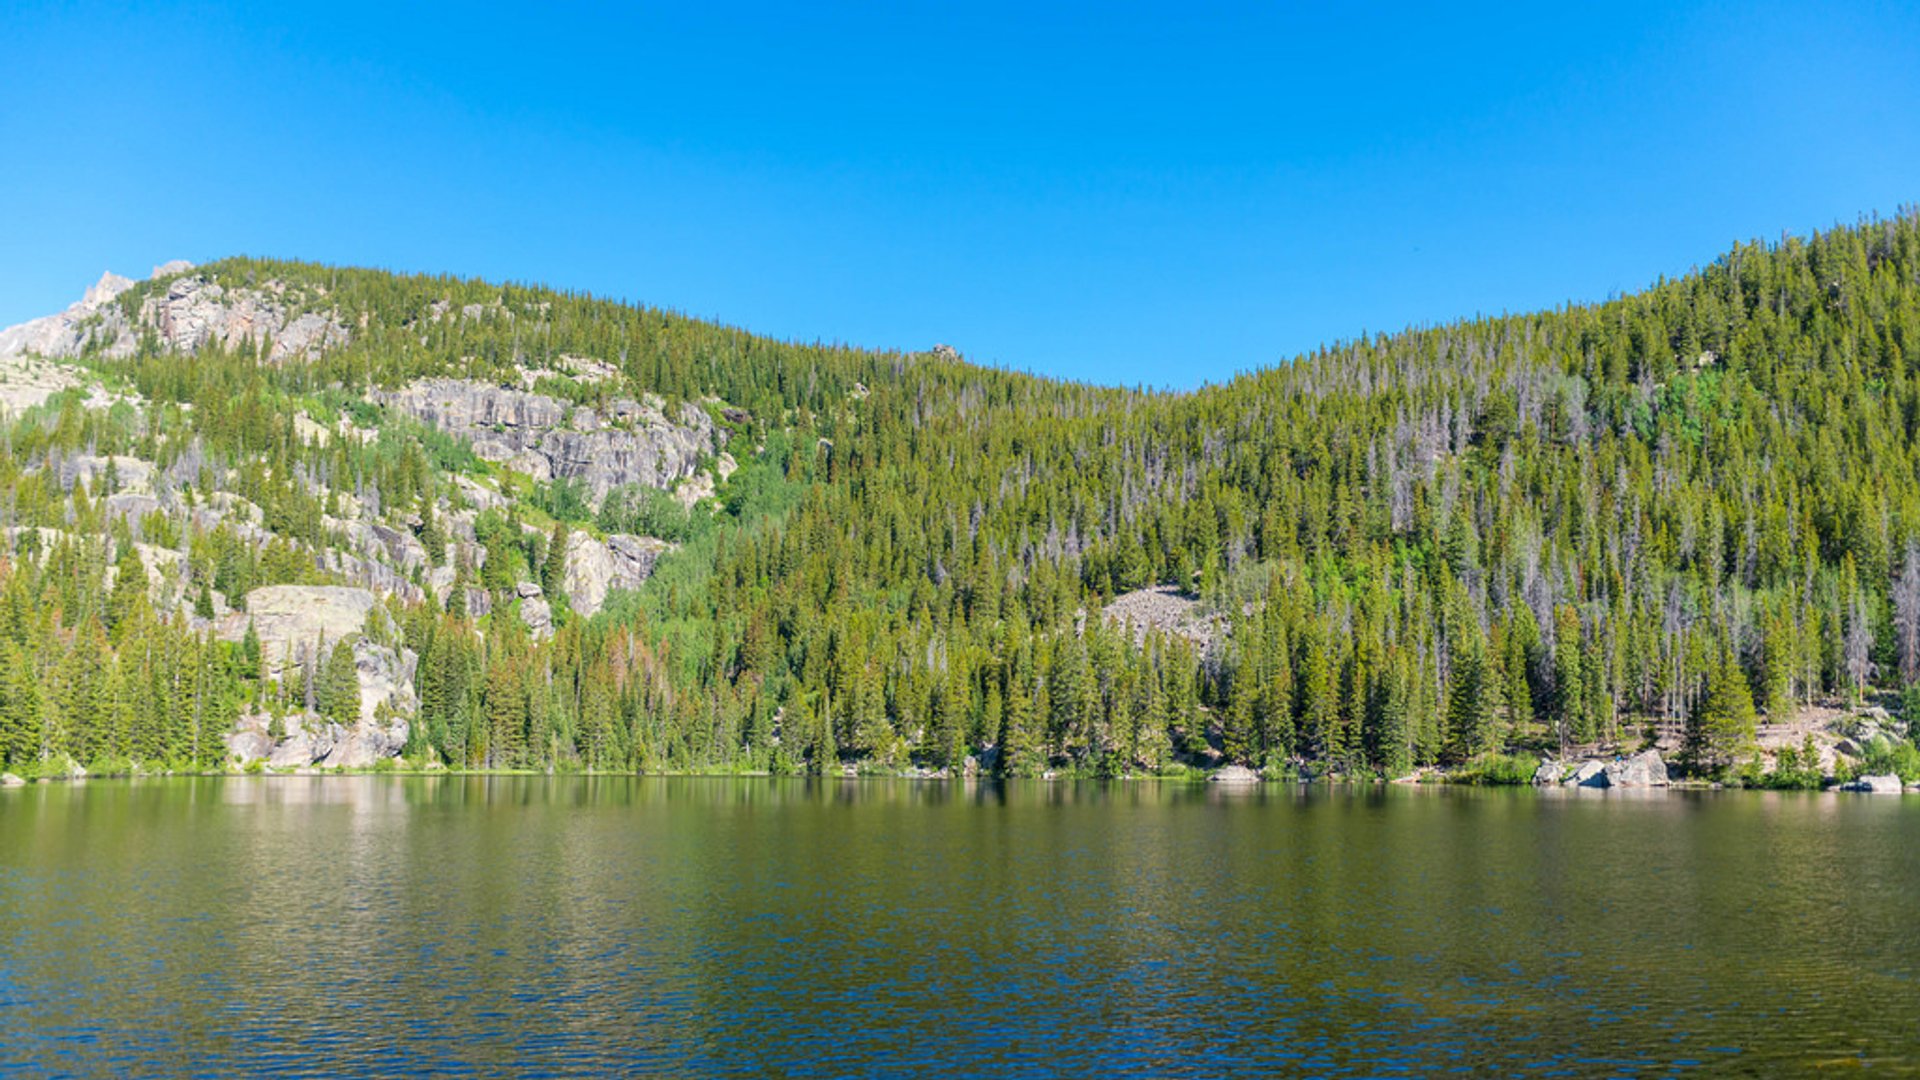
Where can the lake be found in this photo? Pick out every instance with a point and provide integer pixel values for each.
(699, 927)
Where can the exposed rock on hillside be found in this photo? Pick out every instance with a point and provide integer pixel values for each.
(194, 311)
(311, 740)
(293, 622)
(1165, 609)
(289, 618)
(190, 312)
(66, 333)
(636, 443)
(594, 569)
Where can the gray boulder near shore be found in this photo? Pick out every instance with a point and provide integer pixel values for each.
(1645, 769)
(1642, 770)
(1589, 774)
(1885, 784)
(1235, 774)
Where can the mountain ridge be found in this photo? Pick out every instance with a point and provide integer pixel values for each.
(1642, 522)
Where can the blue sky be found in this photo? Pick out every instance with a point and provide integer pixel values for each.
(1156, 194)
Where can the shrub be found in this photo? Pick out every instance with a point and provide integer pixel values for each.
(1496, 770)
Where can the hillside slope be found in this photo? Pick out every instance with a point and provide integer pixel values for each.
(584, 534)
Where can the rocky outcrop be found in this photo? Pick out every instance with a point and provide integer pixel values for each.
(635, 443)
(1549, 772)
(594, 568)
(314, 741)
(1645, 769)
(194, 310)
(386, 679)
(294, 622)
(189, 312)
(538, 615)
(291, 619)
(165, 567)
(67, 333)
(1235, 774)
(1163, 609)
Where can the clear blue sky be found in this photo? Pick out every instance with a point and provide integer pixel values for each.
(1126, 193)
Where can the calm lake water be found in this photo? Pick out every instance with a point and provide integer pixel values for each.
(702, 927)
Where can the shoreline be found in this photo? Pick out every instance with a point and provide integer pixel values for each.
(1195, 779)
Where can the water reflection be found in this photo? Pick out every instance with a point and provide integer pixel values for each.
(700, 927)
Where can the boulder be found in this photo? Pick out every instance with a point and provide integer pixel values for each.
(299, 750)
(1643, 770)
(10, 780)
(1885, 784)
(1549, 772)
(364, 744)
(249, 744)
(1591, 773)
(1235, 774)
(537, 615)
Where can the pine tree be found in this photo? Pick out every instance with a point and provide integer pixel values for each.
(1020, 748)
(20, 724)
(338, 692)
(553, 573)
(1723, 723)
(130, 585)
(1569, 684)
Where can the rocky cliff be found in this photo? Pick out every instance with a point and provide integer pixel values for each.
(634, 443)
(184, 311)
(296, 623)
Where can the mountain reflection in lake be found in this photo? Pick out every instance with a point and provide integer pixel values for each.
(682, 926)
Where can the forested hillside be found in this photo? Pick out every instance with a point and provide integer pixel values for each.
(611, 537)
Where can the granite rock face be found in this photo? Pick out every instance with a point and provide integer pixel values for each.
(291, 619)
(635, 443)
(297, 622)
(314, 741)
(594, 568)
(66, 333)
(538, 615)
(189, 312)
(194, 311)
